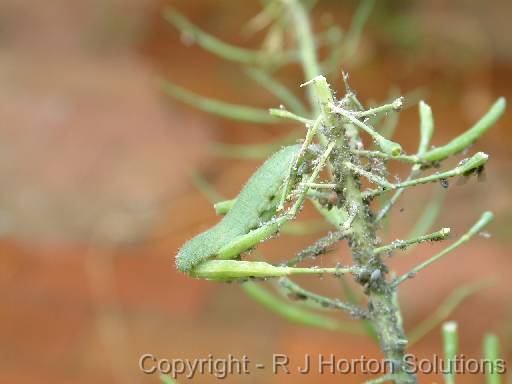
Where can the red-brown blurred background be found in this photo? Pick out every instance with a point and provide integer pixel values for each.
(96, 196)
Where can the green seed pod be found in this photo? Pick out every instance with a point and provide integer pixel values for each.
(464, 140)
(388, 146)
(426, 126)
(226, 270)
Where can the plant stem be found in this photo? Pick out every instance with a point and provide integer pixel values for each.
(296, 313)
(306, 43)
(402, 244)
(406, 158)
(387, 146)
(384, 314)
(217, 107)
(320, 247)
(216, 46)
(396, 105)
(304, 294)
(477, 160)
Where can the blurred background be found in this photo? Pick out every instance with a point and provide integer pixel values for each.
(96, 195)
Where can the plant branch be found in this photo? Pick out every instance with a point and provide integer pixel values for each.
(476, 161)
(325, 302)
(217, 107)
(218, 47)
(370, 176)
(395, 106)
(295, 313)
(306, 45)
(320, 247)
(442, 234)
(381, 155)
(477, 227)
(387, 146)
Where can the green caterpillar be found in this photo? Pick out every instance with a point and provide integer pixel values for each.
(255, 205)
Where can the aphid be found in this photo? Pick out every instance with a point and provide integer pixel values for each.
(296, 296)
(375, 276)
(479, 172)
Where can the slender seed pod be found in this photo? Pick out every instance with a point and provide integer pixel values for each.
(227, 270)
(492, 354)
(426, 126)
(464, 140)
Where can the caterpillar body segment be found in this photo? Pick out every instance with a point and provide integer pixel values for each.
(255, 205)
